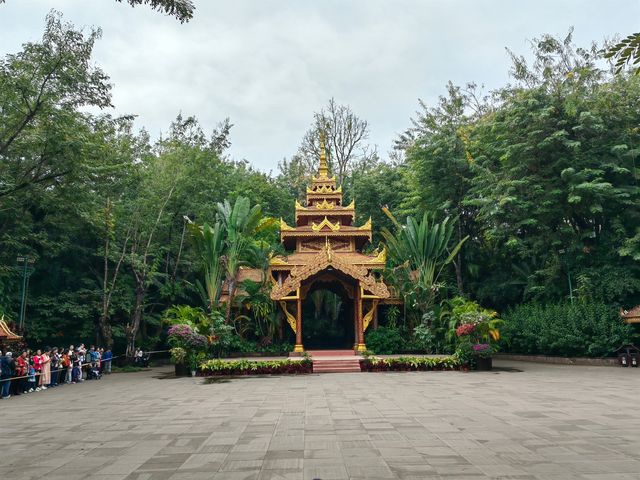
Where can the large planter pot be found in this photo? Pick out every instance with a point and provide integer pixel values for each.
(182, 370)
(484, 364)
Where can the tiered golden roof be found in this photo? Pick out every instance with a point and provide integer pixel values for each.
(325, 223)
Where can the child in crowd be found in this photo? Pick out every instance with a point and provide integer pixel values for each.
(31, 379)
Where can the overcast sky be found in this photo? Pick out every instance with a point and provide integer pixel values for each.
(268, 65)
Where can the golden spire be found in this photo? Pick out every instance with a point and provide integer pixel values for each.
(323, 171)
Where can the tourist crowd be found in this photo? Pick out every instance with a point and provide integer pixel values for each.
(32, 372)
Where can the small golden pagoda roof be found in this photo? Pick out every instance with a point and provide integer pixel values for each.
(631, 316)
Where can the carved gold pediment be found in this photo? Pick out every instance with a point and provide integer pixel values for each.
(299, 206)
(321, 261)
(334, 227)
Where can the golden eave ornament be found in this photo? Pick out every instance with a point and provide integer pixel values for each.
(324, 205)
(366, 226)
(284, 227)
(324, 190)
(380, 257)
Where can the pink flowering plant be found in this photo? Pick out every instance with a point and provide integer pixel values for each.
(187, 346)
(482, 350)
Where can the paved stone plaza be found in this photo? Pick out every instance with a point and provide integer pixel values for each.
(524, 421)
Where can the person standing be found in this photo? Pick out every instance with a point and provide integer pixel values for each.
(7, 366)
(22, 365)
(55, 365)
(76, 363)
(45, 378)
(36, 362)
(106, 358)
(99, 352)
(66, 366)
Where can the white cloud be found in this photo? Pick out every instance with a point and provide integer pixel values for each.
(269, 64)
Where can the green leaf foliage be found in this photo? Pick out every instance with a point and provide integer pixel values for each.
(584, 329)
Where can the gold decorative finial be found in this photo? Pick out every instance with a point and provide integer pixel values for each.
(323, 171)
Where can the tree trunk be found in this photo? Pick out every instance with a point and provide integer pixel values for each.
(458, 267)
(104, 332)
(231, 293)
(134, 323)
(458, 263)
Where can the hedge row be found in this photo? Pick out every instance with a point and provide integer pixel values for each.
(583, 329)
(249, 367)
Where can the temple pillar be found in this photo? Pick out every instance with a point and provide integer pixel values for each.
(360, 346)
(298, 347)
(375, 318)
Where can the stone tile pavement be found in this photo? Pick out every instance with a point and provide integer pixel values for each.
(525, 421)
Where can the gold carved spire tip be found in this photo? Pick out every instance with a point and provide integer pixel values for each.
(323, 171)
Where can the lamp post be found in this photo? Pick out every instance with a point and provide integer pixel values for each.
(25, 261)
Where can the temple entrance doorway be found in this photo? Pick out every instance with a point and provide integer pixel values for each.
(327, 315)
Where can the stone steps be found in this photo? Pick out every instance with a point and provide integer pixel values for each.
(342, 365)
(331, 353)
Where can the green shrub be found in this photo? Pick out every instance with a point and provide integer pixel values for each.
(386, 341)
(250, 367)
(424, 339)
(582, 329)
(404, 364)
(240, 345)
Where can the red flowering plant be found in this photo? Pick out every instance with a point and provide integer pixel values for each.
(474, 329)
(466, 329)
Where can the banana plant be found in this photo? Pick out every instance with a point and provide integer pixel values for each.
(209, 244)
(419, 251)
(242, 223)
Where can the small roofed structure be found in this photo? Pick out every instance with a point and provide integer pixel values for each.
(7, 337)
(253, 274)
(631, 316)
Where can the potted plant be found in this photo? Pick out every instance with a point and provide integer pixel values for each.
(196, 346)
(178, 357)
(477, 334)
(188, 348)
(483, 356)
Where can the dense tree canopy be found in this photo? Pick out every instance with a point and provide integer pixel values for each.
(540, 177)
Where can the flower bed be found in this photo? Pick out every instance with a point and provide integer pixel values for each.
(409, 364)
(250, 367)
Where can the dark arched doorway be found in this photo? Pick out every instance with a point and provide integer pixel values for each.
(327, 312)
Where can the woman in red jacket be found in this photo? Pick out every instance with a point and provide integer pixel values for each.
(21, 370)
(37, 366)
